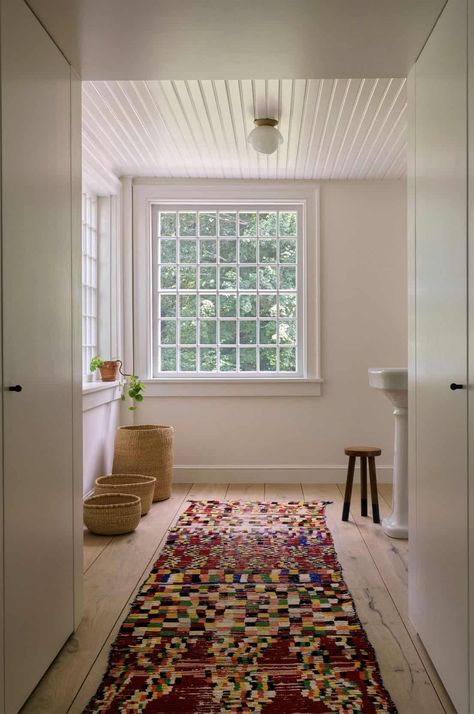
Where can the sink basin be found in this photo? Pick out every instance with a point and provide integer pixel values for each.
(393, 381)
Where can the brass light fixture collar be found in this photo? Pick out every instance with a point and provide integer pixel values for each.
(265, 122)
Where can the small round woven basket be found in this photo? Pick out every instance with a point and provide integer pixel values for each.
(136, 484)
(112, 513)
(148, 450)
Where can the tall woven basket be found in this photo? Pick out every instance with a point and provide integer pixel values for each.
(147, 450)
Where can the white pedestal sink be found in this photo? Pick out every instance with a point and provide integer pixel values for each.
(394, 384)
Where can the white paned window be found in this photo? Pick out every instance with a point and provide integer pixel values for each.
(89, 281)
(228, 290)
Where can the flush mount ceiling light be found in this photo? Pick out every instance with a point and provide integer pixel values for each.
(265, 138)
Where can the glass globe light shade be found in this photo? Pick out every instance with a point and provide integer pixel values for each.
(265, 138)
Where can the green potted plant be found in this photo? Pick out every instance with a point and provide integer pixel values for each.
(134, 389)
(109, 370)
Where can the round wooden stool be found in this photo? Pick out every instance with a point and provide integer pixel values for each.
(364, 453)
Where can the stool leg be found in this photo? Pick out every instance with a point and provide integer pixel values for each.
(373, 490)
(348, 491)
(363, 486)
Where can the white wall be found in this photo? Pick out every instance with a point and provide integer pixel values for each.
(99, 427)
(364, 324)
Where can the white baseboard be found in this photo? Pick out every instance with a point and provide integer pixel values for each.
(271, 474)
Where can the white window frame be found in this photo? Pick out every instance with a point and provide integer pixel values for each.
(282, 194)
(109, 296)
(90, 282)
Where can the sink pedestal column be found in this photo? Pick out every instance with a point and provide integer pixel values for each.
(396, 524)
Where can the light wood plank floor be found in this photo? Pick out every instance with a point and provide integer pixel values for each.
(375, 570)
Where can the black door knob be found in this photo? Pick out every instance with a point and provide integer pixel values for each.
(16, 388)
(454, 386)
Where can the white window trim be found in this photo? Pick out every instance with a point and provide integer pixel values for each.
(149, 191)
(90, 259)
(109, 297)
(95, 394)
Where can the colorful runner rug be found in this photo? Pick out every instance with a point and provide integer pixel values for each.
(245, 611)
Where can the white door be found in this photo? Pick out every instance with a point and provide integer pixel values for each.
(439, 555)
(36, 271)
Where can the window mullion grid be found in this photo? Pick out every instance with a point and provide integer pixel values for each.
(238, 291)
(89, 280)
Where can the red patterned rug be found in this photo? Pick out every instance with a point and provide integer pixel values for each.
(245, 611)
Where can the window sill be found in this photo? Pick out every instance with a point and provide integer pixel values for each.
(295, 387)
(95, 394)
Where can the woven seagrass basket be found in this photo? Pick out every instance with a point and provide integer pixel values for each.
(136, 484)
(112, 513)
(148, 450)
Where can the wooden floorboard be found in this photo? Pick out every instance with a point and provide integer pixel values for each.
(246, 492)
(89, 686)
(283, 492)
(390, 556)
(108, 585)
(93, 547)
(402, 669)
(375, 570)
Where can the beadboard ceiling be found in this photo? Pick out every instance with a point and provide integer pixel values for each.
(332, 129)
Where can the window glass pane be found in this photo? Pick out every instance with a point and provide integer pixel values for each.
(228, 332)
(248, 332)
(168, 277)
(228, 251)
(207, 251)
(207, 224)
(168, 332)
(207, 278)
(208, 332)
(168, 306)
(288, 359)
(247, 224)
(167, 223)
(208, 359)
(287, 332)
(268, 332)
(228, 224)
(187, 359)
(168, 359)
(187, 278)
(248, 306)
(267, 278)
(267, 251)
(227, 278)
(187, 306)
(187, 223)
(268, 223)
(168, 251)
(287, 278)
(187, 251)
(268, 359)
(288, 223)
(228, 305)
(207, 305)
(287, 251)
(228, 359)
(248, 251)
(248, 359)
(247, 278)
(287, 305)
(187, 332)
(268, 305)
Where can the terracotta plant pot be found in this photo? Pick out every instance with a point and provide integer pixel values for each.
(109, 371)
